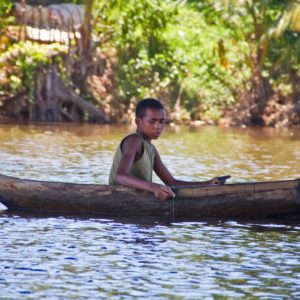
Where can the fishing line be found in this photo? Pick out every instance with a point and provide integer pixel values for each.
(173, 209)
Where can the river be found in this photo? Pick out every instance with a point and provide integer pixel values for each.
(82, 257)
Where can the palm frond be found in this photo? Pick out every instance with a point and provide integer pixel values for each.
(289, 20)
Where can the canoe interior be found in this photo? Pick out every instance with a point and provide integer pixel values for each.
(242, 200)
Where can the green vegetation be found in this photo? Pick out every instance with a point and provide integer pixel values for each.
(200, 57)
(22, 60)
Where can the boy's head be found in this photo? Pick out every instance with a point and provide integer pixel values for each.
(150, 118)
(148, 103)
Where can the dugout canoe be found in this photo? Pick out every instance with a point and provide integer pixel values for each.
(240, 200)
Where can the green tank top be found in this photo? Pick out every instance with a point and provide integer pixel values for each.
(142, 168)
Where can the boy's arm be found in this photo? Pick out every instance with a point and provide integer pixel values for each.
(164, 174)
(131, 147)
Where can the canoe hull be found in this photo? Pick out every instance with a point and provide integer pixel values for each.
(260, 199)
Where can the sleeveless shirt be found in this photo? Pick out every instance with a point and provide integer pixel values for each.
(141, 168)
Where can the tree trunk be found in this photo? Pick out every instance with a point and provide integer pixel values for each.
(54, 101)
(46, 107)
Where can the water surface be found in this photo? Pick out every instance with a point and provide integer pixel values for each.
(83, 153)
(77, 257)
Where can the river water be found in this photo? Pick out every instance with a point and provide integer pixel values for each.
(83, 257)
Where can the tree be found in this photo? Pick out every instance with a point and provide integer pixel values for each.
(268, 28)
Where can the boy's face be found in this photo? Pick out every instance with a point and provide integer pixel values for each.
(152, 124)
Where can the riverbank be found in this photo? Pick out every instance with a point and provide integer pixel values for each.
(273, 115)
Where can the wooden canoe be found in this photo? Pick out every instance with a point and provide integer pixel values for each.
(242, 200)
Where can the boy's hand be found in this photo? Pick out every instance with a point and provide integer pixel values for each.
(162, 192)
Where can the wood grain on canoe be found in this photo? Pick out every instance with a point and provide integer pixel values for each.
(257, 199)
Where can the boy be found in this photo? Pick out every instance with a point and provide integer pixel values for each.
(136, 157)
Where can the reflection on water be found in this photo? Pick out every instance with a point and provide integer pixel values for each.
(85, 258)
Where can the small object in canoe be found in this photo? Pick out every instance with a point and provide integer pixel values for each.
(229, 201)
(223, 179)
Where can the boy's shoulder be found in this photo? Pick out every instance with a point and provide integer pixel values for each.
(134, 136)
(132, 139)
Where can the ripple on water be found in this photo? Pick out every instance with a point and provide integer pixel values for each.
(77, 258)
(67, 257)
